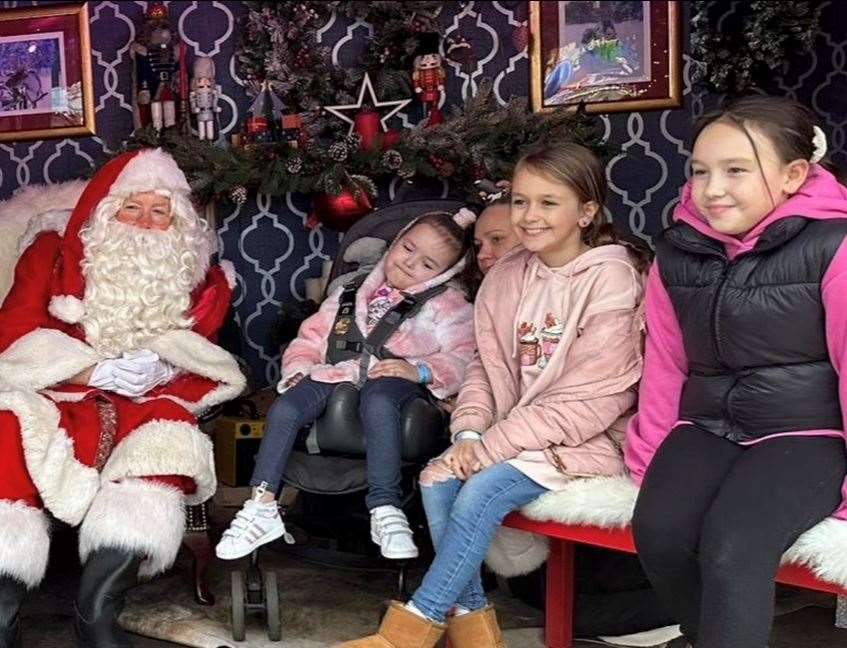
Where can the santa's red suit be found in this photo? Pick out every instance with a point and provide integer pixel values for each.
(121, 467)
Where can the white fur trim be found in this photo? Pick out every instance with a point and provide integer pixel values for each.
(51, 221)
(823, 549)
(514, 552)
(65, 485)
(609, 502)
(150, 170)
(42, 358)
(229, 273)
(25, 543)
(163, 447)
(20, 209)
(139, 516)
(194, 353)
(67, 308)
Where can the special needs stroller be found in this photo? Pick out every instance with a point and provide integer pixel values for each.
(328, 464)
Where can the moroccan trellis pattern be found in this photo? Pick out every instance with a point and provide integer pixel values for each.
(272, 251)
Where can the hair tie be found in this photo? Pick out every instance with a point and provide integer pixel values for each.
(464, 218)
(819, 142)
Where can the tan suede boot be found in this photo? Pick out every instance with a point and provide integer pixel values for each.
(401, 629)
(478, 629)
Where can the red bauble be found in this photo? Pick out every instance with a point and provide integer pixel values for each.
(390, 139)
(366, 124)
(435, 117)
(340, 212)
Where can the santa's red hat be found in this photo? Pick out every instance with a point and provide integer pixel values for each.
(130, 173)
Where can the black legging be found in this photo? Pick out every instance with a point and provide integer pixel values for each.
(714, 517)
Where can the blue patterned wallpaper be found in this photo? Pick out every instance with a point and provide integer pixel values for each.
(273, 252)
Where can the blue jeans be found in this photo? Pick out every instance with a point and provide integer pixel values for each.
(463, 518)
(381, 403)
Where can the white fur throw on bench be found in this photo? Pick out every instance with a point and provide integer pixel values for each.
(609, 502)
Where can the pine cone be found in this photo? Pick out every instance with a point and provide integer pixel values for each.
(238, 194)
(406, 172)
(338, 151)
(294, 164)
(392, 160)
(353, 140)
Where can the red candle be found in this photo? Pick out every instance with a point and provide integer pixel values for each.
(366, 123)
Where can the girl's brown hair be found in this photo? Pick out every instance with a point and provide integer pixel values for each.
(462, 241)
(581, 170)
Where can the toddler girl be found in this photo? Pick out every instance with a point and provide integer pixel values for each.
(427, 353)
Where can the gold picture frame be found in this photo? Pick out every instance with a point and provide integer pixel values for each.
(46, 86)
(607, 56)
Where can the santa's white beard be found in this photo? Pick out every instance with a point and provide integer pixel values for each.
(137, 287)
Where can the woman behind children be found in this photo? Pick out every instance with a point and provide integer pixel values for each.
(430, 351)
(739, 438)
(558, 356)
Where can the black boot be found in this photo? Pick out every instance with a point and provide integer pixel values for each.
(11, 595)
(107, 575)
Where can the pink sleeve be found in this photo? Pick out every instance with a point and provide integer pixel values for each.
(834, 294)
(665, 372)
(475, 404)
(309, 347)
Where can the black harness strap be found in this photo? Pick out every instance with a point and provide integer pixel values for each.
(346, 340)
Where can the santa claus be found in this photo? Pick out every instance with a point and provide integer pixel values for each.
(107, 354)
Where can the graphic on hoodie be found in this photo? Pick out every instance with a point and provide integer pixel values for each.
(551, 334)
(528, 344)
(535, 350)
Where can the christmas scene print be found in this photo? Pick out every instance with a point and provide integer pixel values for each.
(535, 348)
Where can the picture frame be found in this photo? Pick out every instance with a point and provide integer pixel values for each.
(46, 87)
(605, 56)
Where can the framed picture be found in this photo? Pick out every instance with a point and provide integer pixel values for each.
(45, 73)
(609, 56)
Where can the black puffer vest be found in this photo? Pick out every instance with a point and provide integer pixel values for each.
(754, 328)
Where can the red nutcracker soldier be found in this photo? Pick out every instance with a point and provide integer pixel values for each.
(428, 75)
(157, 81)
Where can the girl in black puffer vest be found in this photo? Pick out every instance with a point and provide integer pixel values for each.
(740, 438)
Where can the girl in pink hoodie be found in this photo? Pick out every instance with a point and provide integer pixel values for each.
(739, 440)
(428, 352)
(559, 355)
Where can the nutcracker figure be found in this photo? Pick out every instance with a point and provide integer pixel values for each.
(204, 97)
(428, 75)
(156, 71)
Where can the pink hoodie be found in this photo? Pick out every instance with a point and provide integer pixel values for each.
(589, 382)
(665, 366)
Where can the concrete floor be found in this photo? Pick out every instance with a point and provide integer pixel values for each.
(322, 606)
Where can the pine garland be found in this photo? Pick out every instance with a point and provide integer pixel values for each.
(481, 139)
(279, 44)
(738, 49)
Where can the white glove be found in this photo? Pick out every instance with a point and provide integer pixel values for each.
(132, 375)
(103, 376)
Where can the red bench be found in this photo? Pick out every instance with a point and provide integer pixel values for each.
(559, 617)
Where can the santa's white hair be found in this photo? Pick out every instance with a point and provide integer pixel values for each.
(138, 282)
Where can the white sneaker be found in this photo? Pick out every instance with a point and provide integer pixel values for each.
(390, 530)
(256, 524)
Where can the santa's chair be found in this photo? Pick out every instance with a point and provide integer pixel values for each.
(52, 202)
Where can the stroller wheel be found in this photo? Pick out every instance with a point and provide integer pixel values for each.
(239, 595)
(272, 606)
